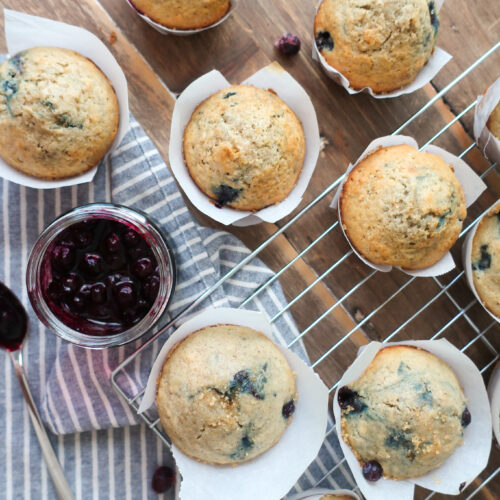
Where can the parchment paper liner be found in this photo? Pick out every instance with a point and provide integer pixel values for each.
(317, 493)
(471, 183)
(23, 31)
(486, 103)
(468, 460)
(436, 61)
(494, 395)
(265, 477)
(272, 77)
(467, 261)
(179, 32)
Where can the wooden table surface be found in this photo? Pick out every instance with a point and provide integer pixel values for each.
(159, 67)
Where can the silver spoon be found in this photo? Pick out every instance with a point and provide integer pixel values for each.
(13, 329)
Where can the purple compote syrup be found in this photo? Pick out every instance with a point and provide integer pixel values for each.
(13, 320)
(100, 277)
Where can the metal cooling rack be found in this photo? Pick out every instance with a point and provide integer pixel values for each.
(444, 291)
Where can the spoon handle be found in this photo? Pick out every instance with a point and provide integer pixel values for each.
(53, 465)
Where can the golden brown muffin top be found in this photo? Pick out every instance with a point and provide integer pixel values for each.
(402, 207)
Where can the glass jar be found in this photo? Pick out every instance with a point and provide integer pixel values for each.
(133, 219)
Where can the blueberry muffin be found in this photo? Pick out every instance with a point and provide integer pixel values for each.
(401, 207)
(493, 122)
(485, 260)
(381, 44)
(405, 415)
(58, 113)
(225, 394)
(244, 148)
(183, 14)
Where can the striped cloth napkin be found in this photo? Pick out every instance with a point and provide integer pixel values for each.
(105, 455)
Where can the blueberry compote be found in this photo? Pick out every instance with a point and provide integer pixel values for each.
(13, 321)
(100, 277)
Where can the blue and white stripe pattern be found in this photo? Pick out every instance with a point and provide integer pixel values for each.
(103, 452)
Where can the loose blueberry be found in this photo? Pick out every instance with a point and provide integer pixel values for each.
(288, 44)
(143, 267)
(163, 479)
(113, 243)
(462, 486)
(63, 257)
(131, 238)
(98, 293)
(324, 41)
(288, 409)
(92, 263)
(466, 417)
(372, 470)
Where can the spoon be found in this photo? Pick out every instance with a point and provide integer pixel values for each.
(13, 329)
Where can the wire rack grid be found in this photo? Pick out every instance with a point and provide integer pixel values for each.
(444, 290)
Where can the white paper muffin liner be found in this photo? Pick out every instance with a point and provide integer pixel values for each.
(180, 32)
(486, 103)
(467, 261)
(472, 186)
(468, 460)
(266, 477)
(22, 32)
(436, 61)
(289, 90)
(494, 395)
(317, 493)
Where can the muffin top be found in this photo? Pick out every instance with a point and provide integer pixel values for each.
(493, 123)
(485, 260)
(381, 44)
(183, 14)
(244, 147)
(58, 113)
(405, 414)
(225, 394)
(401, 207)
